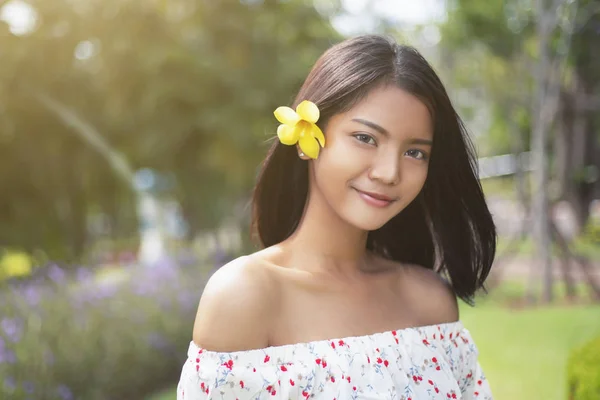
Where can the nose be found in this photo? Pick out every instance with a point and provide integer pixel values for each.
(386, 169)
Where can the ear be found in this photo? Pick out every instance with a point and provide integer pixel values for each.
(301, 154)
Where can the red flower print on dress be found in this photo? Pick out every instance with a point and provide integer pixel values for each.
(228, 364)
(342, 368)
(203, 387)
(435, 361)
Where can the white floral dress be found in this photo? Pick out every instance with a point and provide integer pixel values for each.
(431, 362)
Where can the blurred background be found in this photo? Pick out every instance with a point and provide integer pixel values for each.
(131, 132)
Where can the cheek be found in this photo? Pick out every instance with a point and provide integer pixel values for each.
(338, 165)
(415, 180)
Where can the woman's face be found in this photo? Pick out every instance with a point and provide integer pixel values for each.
(376, 158)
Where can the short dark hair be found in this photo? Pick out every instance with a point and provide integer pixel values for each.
(448, 226)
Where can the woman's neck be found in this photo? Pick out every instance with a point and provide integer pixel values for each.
(323, 241)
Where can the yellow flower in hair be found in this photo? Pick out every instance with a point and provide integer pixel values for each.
(300, 127)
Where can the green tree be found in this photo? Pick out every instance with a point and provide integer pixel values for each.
(184, 87)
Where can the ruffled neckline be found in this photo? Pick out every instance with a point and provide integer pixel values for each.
(418, 334)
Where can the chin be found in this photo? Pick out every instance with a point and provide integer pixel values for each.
(367, 223)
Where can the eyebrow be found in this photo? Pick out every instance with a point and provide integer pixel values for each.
(384, 132)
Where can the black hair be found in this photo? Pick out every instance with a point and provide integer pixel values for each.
(448, 227)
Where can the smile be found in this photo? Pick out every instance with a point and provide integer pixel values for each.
(375, 199)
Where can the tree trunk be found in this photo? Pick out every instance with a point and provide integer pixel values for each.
(565, 259)
(541, 237)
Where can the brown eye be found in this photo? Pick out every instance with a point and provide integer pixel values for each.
(363, 137)
(416, 154)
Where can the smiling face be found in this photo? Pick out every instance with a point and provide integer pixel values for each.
(376, 158)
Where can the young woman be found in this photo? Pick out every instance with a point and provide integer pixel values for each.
(373, 222)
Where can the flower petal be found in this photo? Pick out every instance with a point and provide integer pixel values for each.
(309, 146)
(288, 134)
(308, 111)
(317, 133)
(286, 115)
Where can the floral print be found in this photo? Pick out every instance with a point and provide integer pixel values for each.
(432, 362)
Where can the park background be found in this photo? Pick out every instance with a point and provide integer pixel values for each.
(131, 133)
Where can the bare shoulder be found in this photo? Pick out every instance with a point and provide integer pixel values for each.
(432, 295)
(236, 306)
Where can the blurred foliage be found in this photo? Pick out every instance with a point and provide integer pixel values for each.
(75, 336)
(583, 372)
(492, 49)
(592, 232)
(186, 88)
(484, 42)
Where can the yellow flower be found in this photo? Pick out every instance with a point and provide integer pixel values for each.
(300, 127)
(15, 264)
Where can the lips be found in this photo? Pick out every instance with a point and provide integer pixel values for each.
(375, 199)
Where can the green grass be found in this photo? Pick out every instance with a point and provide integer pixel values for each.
(168, 394)
(522, 352)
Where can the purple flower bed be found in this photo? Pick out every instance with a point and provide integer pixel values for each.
(69, 335)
